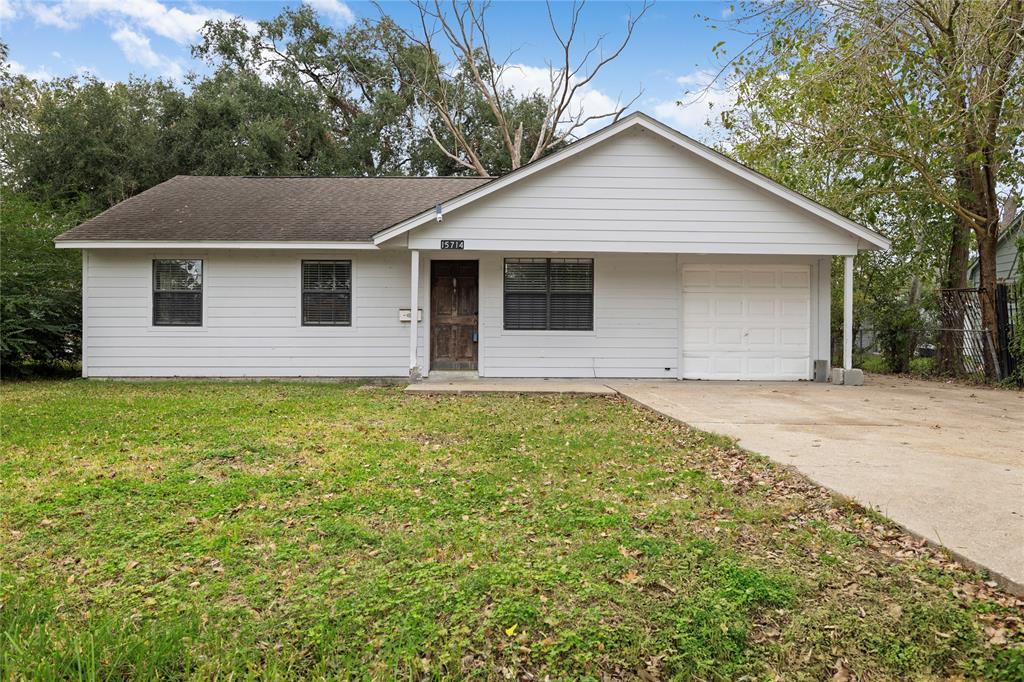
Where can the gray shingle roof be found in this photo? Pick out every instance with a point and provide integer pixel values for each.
(347, 209)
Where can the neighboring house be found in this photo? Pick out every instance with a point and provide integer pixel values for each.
(1008, 257)
(634, 252)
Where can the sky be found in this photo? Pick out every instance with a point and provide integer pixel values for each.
(669, 54)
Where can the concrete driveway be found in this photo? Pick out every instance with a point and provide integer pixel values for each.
(944, 461)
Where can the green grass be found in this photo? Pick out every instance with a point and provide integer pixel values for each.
(923, 368)
(284, 530)
(875, 364)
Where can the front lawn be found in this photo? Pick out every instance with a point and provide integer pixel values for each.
(200, 530)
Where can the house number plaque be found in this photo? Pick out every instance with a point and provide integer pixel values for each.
(453, 244)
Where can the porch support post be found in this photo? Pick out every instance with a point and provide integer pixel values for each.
(414, 303)
(847, 312)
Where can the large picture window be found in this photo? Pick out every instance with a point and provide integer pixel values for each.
(549, 294)
(327, 293)
(178, 293)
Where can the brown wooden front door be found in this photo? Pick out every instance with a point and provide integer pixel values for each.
(453, 314)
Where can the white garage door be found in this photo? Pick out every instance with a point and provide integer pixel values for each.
(746, 322)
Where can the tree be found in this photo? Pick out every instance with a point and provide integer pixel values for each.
(80, 137)
(40, 311)
(477, 79)
(921, 98)
(345, 74)
(233, 123)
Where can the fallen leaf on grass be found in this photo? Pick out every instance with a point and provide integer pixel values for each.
(629, 578)
(997, 636)
(842, 673)
(628, 553)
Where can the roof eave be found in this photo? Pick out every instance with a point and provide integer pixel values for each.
(212, 244)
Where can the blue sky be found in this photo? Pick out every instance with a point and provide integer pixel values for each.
(670, 51)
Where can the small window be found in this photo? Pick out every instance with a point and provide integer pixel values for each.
(327, 293)
(549, 294)
(178, 293)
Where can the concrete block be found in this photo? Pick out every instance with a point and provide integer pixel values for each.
(847, 377)
(853, 377)
(821, 371)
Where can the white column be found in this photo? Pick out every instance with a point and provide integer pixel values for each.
(414, 303)
(847, 312)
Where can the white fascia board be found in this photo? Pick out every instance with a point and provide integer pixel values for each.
(210, 244)
(871, 240)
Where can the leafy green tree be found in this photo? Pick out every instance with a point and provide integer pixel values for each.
(346, 74)
(40, 309)
(920, 99)
(233, 123)
(81, 137)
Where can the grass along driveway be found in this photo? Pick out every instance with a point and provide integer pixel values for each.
(194, 530)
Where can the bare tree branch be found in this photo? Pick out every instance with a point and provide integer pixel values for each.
(461, 28)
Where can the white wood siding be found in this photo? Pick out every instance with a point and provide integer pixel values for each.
(1008, 263)
(636, 193)
(636, 306)
(252, 324)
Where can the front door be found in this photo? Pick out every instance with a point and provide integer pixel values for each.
(453, 314)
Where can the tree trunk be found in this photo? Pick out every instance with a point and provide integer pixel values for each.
(954, 277)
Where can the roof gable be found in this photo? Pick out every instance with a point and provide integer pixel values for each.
(641, 122)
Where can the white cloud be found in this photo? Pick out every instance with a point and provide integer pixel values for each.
(7, 10)
(335, 9)
(48, 14)
(523, 80)
(170, 22)
(19, 69)
(702, 101)
(137, 50)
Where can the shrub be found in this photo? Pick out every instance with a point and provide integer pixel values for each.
(40, 287)
(1017, 342)
(897, 323)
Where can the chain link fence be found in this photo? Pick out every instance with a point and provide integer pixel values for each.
(958, 344)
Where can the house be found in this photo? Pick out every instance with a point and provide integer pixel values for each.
(1008, 258)
(633, 252)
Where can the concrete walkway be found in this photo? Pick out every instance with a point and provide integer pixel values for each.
(944, 461)
(452, 382)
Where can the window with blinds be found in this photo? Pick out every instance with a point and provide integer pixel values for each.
(327, 293)
(178, 293)
(549, 294)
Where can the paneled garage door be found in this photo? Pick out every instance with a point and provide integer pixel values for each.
(746, 322)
